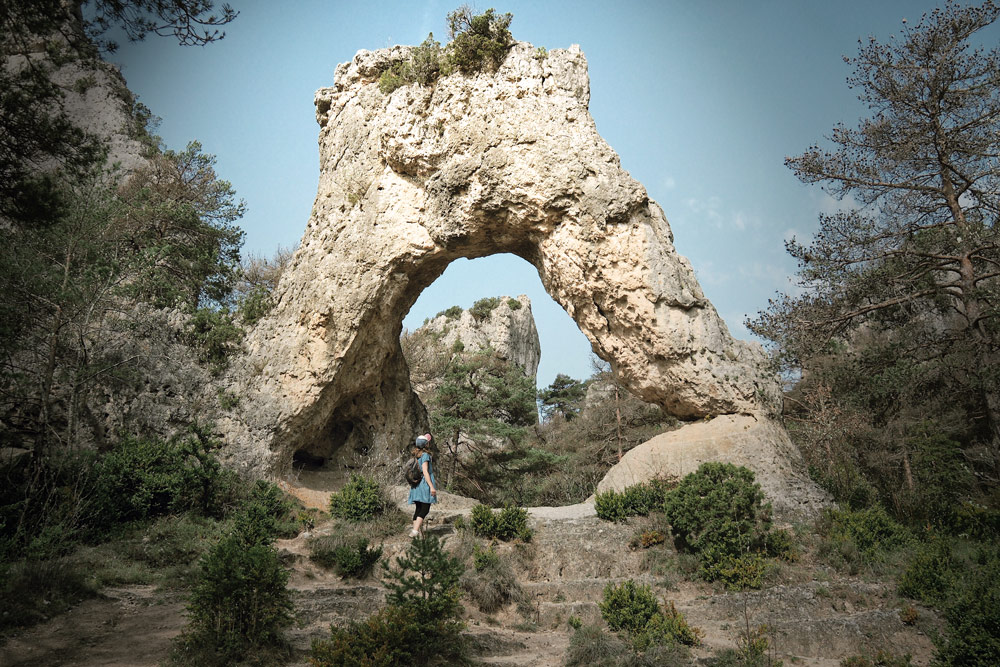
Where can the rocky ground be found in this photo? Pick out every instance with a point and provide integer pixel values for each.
(815, 615)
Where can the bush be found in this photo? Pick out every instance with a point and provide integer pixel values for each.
(666, 628)
(930, 575)
(360, 500)
(628, 607)
(863, 537)
(635, 500)
(396, 636)
(426, 579)
(718, 513)
(352, 559)
(647, 539)
(214, 334)
(451, 313)
(880, 659)
(972, 614)
(509, 524)
(591, 646)
(240, 604)
(482, 308)
(493, 585)
(478, 42)
(146, 478)
(420, 625)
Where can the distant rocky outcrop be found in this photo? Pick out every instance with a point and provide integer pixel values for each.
(469, 166)
(502, 324)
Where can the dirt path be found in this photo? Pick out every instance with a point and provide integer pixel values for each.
(126, 627)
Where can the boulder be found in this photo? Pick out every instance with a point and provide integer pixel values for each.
(756, 442)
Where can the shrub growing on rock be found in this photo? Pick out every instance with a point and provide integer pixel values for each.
(635, 500)
(492, 585)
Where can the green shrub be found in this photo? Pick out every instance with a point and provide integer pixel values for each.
(350, 559)
(635, 500)
(482, 308)
(360, 500)
(744, 572)
(138, 479)
(930, 575)
(391, 79)
(666, 628)
(451, 313)
(477, 42)
(214, 334)
(508, 524)
(240, 604)
(628, 607)
(610, 506)
(513, 304)
(394, 637)
(146, 478)
(880, 659)
(255, 304)
(492, 585)
(864, 536)
(972, 615)
(426, 579)
(718, 513)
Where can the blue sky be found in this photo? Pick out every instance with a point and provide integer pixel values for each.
(702, 100)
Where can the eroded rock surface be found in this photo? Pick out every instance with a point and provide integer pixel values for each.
(508, 329)
(468, 167)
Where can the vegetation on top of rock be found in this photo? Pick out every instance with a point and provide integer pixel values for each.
(478, 43)
(482, 308)
(452, 313)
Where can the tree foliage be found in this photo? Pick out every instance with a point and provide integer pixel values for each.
(562, 397)
(896, 323)
(481, 409)
(478, 41)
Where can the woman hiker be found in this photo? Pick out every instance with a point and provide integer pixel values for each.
(425, 493)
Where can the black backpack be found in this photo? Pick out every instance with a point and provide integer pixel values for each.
(412, 472)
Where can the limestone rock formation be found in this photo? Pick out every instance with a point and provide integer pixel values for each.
(470, 166)
(759, 443)
(508, 329)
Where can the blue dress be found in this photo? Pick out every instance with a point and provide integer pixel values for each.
(422, 492)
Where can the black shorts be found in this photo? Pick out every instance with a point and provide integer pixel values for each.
(421, 509)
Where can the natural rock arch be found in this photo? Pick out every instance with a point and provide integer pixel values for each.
(472, 166)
